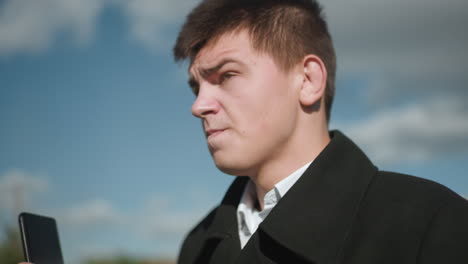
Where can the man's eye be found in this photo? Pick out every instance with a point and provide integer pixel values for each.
(225, 76)
(194, 86)
(195, 90)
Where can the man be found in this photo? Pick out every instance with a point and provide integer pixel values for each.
(263, 75)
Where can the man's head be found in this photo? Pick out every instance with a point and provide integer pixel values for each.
(258, 71)
(286, 30)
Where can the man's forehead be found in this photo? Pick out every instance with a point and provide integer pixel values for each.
(233, 45)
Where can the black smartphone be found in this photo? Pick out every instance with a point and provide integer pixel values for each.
(40, 239)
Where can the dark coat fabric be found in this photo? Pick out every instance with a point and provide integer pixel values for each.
(342, 210)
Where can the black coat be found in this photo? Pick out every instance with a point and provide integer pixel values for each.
(342, 210)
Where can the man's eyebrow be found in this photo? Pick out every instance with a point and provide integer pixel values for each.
(193, 83)
(209, 71)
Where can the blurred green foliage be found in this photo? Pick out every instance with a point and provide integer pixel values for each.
(127, 260)
(11, 252)
(10, 246)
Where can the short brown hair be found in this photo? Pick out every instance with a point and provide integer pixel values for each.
(287, 30)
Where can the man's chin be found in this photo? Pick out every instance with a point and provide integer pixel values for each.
(231, 168)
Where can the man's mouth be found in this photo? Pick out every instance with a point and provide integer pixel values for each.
(213, 132)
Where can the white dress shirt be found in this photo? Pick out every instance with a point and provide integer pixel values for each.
(249, 217)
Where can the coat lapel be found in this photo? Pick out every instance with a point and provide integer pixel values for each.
(222, 240)
(315, 216)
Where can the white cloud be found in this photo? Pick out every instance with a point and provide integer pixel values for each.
(92, 213)
(18, 187)
(415, 47)
(159, 219)
(417, 132)
(32, 26)
(400, 35)
(413, 53)
(154, 218)
(156, 221)
(150, 18)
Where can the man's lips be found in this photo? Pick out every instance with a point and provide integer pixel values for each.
(213, 132)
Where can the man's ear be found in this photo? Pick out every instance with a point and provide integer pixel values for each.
(314, 81)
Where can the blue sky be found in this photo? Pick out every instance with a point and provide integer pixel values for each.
(96, 130)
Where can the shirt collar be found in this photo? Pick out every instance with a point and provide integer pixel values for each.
(284, 185)
(272, 197)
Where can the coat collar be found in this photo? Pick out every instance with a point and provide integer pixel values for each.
(225, 220)
(314, 217)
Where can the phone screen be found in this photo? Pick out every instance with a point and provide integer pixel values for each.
(40, 239)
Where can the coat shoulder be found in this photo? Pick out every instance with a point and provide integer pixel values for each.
(396, 188)
(406, 219)
(192, 242)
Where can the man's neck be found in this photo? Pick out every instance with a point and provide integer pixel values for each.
(276, 170)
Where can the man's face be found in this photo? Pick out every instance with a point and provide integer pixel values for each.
(248, 106)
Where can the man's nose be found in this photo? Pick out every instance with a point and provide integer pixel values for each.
(205, 104)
